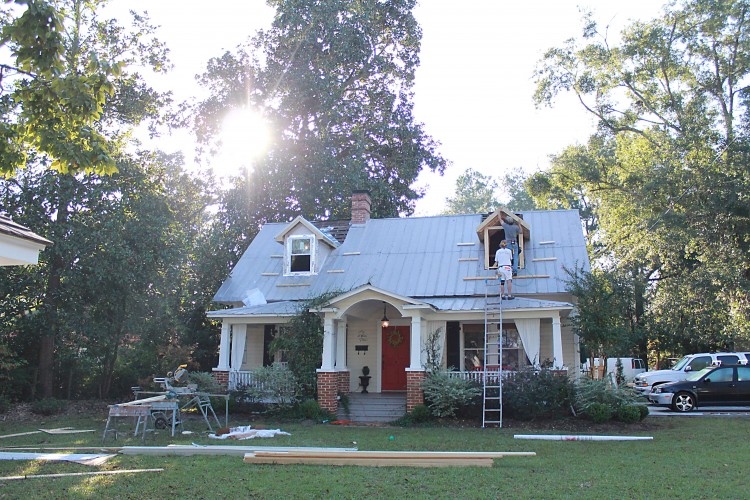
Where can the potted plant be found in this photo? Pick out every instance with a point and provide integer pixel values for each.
(364, 379)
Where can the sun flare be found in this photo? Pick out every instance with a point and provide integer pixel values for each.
(244, 137)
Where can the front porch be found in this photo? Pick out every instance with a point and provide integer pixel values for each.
(387, 336)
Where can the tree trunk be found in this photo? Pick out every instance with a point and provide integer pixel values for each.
(53, 293)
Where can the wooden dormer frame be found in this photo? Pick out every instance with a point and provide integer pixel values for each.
(492, 224)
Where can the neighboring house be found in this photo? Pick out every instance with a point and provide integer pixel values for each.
(425, 274)
(18, 245)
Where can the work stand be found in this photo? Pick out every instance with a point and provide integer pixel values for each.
(122, 411)
(203, 403)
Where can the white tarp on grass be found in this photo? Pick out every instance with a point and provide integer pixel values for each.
(247, 432)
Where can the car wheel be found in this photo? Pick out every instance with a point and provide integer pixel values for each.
(683, 401)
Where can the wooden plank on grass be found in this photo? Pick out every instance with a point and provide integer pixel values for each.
(20, 434)
(69, 474)
(66, 431)
(251, 458)
(189, 450)
(398, 455)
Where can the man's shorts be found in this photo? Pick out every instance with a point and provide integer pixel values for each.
(505, 273)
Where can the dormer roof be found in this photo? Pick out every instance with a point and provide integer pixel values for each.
(494, 219)
(319, 234)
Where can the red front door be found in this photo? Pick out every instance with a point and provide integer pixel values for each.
(395, 358)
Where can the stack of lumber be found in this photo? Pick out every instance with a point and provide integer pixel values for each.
(382, 458)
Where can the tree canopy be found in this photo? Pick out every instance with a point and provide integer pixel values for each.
(53, 86)
(334, 78)
(664, 183)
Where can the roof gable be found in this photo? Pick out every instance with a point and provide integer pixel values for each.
(494, 220)
(301, 221)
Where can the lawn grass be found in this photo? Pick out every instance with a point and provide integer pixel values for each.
(690, 457)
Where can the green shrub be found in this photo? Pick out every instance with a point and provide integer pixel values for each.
(628, 414)
(445, 395)
(598, 412)
(420, 414)
(275, 384)
(529, 394)
(643, 410)
(4, 403)
(48, 406)
(588, 392)
(310, 409)
(344, 403)
(205, 382)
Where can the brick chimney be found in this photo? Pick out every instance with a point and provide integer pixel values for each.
(360, 207)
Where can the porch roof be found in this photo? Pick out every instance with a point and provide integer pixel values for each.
(285, 308)
(462, 304)
(441, 304)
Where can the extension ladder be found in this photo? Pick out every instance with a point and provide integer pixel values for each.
(492, 369)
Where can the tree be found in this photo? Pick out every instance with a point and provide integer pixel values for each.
(59, 202)
(610, 320)
(519, 197)
(475, 194)
(667, 171)
(52, 91)
(334, 78)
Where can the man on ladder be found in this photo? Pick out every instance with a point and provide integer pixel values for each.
(504, 261)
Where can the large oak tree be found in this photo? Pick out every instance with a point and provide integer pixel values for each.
(335, 80)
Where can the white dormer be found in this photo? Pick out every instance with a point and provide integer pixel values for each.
(305, 247)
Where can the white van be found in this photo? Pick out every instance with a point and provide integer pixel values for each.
(630, 366)
(690, 363)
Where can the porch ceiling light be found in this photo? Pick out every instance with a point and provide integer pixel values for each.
(384, 322)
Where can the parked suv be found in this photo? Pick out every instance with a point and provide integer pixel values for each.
(645, 382)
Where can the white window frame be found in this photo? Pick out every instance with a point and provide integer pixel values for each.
(288, 257)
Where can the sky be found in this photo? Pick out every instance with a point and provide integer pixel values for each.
(473, 89)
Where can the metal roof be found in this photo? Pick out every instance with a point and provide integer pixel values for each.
(420, 257)
(272, 309)
(464, 304)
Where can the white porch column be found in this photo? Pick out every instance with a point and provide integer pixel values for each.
(415, 354)
(341, 346)
(327, 362)
(224, 347)
(239, 337)
(557, 349)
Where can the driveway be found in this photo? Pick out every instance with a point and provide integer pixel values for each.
(709, 411)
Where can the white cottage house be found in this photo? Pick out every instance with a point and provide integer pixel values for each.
(425, 275)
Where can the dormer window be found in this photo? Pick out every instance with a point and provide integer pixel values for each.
(300, 254)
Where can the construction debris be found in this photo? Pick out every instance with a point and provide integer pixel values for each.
(20, 434)
(69, 474)
(66, 430)
(189, 450)
(562, 437)
(83, 459)
(61, 430)
(247, 432)
(382, 458)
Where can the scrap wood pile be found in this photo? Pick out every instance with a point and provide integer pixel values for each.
(382, 458)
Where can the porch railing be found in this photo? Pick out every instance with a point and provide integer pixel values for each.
(476, 376)
(246, 378)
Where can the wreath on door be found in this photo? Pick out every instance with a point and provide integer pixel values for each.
(394, 338)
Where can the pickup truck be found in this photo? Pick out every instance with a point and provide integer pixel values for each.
(645, 382)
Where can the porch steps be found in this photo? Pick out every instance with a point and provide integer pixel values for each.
(374, 407)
